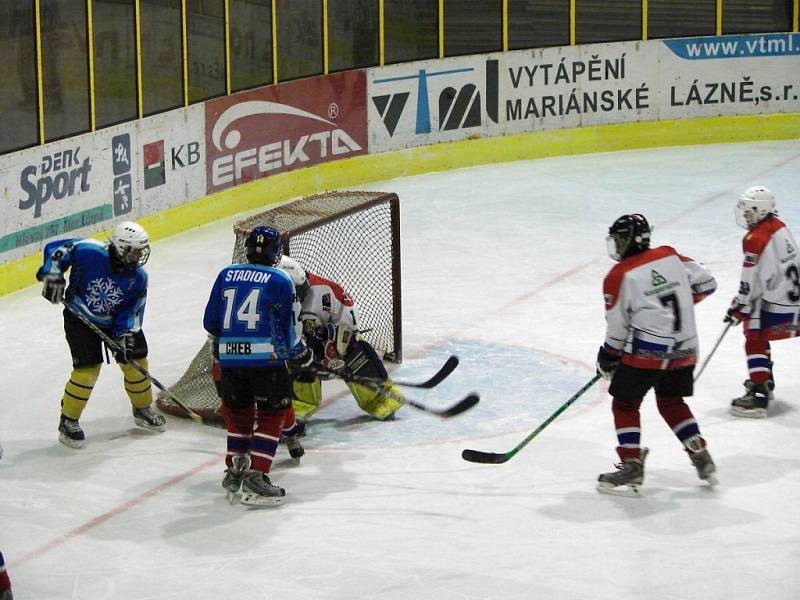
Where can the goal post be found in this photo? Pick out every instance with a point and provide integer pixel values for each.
(350, 237)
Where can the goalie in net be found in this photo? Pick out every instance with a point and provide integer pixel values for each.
(331, 321)
(348, 237)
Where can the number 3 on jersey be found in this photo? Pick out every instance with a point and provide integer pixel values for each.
(246, 311)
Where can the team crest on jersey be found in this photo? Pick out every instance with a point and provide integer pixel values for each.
(609, 300)
(657, 279)
(326, 302)
(790, 250)
(103, 295)
(750, 259)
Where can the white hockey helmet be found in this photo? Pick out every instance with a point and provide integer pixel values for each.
(298, 274)
(754, 205)
(130, 244)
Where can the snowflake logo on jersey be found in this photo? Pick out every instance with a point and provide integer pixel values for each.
(103, 295)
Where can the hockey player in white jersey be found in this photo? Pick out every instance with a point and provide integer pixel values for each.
(651, 342)
(768, 301)
(330, 325)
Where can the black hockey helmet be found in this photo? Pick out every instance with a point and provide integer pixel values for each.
(264, 246)
(629, 235)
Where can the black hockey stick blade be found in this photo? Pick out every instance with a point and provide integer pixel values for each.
(444, 371)
(477, 456)
(448, 367)
(459, 407)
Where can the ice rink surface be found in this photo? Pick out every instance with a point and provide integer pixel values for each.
(502, 265)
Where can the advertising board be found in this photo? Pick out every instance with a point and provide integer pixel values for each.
(280, 128)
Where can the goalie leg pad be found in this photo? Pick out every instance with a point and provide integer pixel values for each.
(137, 386)
(307, 398)
(381, 403)
(362, 360)
(78, 389)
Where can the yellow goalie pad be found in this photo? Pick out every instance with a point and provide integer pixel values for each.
(381, 403)
(307, 398)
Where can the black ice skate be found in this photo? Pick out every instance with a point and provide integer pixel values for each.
(233, 476)
(70, 432)
(625, 481)
(754, 403)
(147, 419)
(296, 450)
(258, 490)
(701, 459)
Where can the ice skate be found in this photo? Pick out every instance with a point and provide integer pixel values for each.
(296, 450)
(70, 432)
(701, 459)
(233, 476)
(147, 419)
(625, 481)
(258, 490)
(754, 403)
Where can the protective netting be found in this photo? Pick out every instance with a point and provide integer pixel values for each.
(352, 238)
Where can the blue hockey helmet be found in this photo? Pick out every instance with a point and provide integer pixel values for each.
(264, 246)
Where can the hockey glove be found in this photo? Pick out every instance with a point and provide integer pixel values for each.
(53, 288)
(301, 366)
(606, 364)
(734, 315)
(126, 344)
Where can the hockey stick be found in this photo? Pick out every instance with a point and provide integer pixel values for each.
(477, 456)
(114, 347)
(448, 367)
(459, 407)
(710, 354)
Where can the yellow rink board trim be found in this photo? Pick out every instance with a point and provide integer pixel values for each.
(361, 170)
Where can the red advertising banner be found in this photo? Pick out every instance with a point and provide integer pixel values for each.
(280, 128)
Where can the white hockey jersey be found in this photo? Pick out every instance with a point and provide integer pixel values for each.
(769, 290)
(649, 300)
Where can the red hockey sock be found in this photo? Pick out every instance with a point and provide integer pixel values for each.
(239, 423)
(265, 440)
(678, 416)
(759, 359)
(5, 583)
(289, 424)
(628, 425)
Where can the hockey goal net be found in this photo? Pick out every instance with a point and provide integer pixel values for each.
(350, 237)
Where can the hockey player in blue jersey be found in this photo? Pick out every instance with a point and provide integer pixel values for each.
(109, 287)
(252, 316)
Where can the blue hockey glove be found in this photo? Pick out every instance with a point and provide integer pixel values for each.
(606, 364)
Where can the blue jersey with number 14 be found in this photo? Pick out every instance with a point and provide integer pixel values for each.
(253, 313)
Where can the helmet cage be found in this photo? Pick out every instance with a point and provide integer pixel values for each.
(629, 235)
(130, 245)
